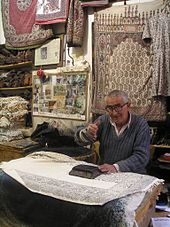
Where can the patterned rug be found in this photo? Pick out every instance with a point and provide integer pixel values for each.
(15, 14)
(122, 59)
(50, 12)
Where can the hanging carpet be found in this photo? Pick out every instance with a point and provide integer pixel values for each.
(122, 59)
(19, 28)
(157, 31)
(50, 11)
(76, 24)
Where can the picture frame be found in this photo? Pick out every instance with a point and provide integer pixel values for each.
(61, 95)
(49, 54)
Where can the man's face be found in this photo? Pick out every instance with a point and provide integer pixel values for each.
(118, 110)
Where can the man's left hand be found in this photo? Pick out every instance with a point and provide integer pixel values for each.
(106, 168)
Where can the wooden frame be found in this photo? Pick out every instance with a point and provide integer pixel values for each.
(62, 95)
(49, 54)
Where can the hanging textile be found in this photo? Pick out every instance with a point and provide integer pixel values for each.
(157, 30)
(2, 37)
(50, 11)
(122, 59)
(76, 24)
(19, 28)
(96, 3)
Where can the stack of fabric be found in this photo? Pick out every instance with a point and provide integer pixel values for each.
(12, 111)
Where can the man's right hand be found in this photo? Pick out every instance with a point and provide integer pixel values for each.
(93, 128)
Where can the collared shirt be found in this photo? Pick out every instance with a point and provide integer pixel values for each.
(119, 133)
(123, 127)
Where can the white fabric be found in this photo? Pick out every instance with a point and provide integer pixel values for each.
(47, 173)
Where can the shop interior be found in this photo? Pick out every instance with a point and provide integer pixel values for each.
(58, 61)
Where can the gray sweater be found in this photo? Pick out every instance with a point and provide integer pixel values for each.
(130, 150)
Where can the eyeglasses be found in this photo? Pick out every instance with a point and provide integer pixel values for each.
(117, 108)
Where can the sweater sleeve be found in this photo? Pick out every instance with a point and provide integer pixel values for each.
(139, 159)
(83, 138)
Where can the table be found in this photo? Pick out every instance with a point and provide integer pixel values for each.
(60, 210)
(17, 149)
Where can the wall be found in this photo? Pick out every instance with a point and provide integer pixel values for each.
(80, 54)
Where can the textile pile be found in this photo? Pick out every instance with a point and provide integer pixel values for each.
(12, 111)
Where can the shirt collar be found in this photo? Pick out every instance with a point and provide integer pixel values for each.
(128, 124)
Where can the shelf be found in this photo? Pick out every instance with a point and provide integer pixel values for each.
(160, 146)
(18, 65)
(15, 88)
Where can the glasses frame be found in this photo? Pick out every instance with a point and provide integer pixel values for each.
(117, 108)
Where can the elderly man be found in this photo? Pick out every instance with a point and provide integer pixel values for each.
(124, 137)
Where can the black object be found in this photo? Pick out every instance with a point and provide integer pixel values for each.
(48, 136)
(85, 171)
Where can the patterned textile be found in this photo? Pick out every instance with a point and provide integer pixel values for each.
(96, 3)
(53, 212)
(122, 59)
(76, 24)
(2, 38)
(12, 111)
(47, 173)
(157, 29)
(19, 28)
(50, 11)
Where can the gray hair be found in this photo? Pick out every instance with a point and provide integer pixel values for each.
(116, 93)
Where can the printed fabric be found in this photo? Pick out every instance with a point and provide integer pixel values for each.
(19, 28)
(157, 30)
(50, 11)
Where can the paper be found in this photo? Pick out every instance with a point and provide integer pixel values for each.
(161, 222)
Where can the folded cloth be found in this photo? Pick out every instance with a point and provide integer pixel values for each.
(85, 171)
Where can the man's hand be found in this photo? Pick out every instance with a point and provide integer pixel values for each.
(106, 168)
(93, 128)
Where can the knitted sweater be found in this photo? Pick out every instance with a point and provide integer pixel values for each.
(130, 150)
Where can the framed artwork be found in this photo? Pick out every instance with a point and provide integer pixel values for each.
(50, 53)
(62, 95)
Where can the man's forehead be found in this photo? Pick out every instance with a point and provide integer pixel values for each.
(115, 99)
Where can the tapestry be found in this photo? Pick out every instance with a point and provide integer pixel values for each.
(157, 31)
(2, 38)
(76, 24)
(19, 28)
(122, 59)
(50, 11)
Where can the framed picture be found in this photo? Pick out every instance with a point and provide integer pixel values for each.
(50, 53)
(62, 95)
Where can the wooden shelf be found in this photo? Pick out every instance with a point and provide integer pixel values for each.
(18, 65)
(160, 146)
(15, 88)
